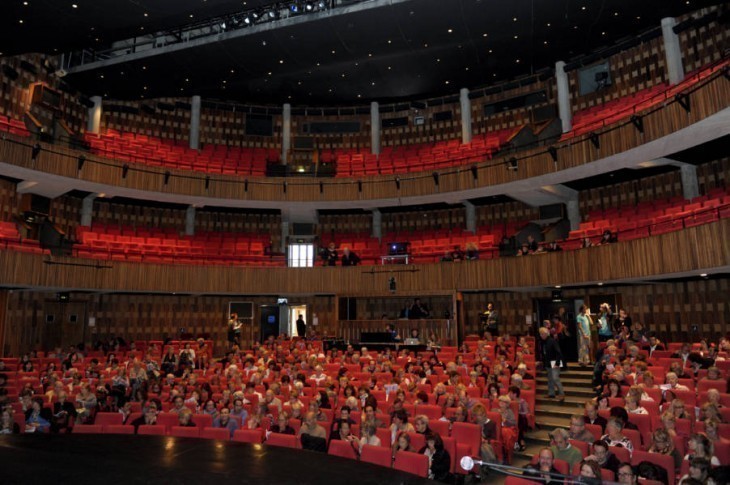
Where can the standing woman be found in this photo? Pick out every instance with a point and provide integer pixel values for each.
(605, 332)
(584, 336)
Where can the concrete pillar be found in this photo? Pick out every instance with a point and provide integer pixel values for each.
(190, 221)
(573, 209)
(94, 117)
(672, 51)
(690, 186)
(284, 235)
(375, 128)
(377, 224)
(286, 133)
(471, 216)
(465, 116)
(564, 111)
(87, 209)
(195, 123)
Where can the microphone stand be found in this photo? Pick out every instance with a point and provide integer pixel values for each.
(468, 463)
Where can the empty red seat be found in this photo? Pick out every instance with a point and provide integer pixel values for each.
(185, 431)
(88, 429)
(342, 448)
(283, 440)
(377, 455)
(410, 462)
(118, 429)
(151, 429)
(215, 434)
(108, 418)
(248, 436)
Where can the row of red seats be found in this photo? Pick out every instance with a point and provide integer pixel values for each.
(653, 218)
(419, 157)
(596, 117)
(13, 126)
(10, 239)
(164, 153)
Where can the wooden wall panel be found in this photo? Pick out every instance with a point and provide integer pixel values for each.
(705, 44)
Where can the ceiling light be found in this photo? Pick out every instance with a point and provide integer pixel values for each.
(146, 14)
(281, 61)
(247, 20)
(294, 7)
(600, 284)
(514, 19)
(20, 21)
(557, 287)
(73, 5)
(450, 31)
(309, 7)
(704, 275)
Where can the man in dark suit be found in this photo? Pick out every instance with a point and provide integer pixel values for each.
(552, 361)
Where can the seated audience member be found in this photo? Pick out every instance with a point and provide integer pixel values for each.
(239, 412)
(627, 475)
(489, 432)
(7, 423)
(543, 471)
(37, 418)
(185, 419)
(710, 411)
(369, 436)
(344, 434)
(623, 415)
(712, 431)
(149, 417)
(663, 444)
(439, 461)
(632, 405)
(508, 416)
(85, 404)
(673, 382)
(678, 409)
(590, 471)
(282, 425)
(63, 411)
(402, 443)
(700, 446)
(591, 415)
(223, 420)
(472, 252)
(604, 457)
(523, 410)
(614, 435)
(400, 424)
(669, 423)
(369, 417)
(312, 435)
(699, 473)
(562, 449)
(349, 258)
(420, 423)
(578, 429)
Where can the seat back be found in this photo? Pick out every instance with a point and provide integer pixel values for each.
(440, 427)
(418, 441)
(185, 431)
(410, 462)
(376, 455)
(151, 429)
(202, 420)
(663, 461)
(118, 429)
(108, 418)
(215, 434)
(431, 411)
(88, 429)
(585, 448)
(595, 430)
(283, 440)
(247, 436)
(342, 448)
(468, 433)
(621, 453)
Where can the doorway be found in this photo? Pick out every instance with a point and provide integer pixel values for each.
(294, 312)
(546, 308)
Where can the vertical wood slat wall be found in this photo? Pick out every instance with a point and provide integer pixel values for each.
(168, 125)
(668, 308)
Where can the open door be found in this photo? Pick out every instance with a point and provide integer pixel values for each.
(294, 312)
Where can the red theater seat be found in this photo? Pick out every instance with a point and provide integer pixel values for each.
(88, 429)
(248, 436)
(215, 434)
(185, 431)
(377, 455)
(151, 429)
(410, 462)
(283, 440)
(118, 429)
(342, 448)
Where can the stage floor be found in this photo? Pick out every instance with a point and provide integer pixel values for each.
(101, 459)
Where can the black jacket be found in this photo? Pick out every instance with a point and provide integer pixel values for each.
(551, 351)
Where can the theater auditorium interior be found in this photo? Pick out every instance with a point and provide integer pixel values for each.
(365, 241)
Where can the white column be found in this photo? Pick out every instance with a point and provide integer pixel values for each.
(94, 118)
(286, 133)
(690, 185)
(190, 221)
(375, 128)
(672, 51)
(564, 111)
(465, 116)
(573, 209)
(195, 123)
(471, 216)
(87, 209)
(377, 224)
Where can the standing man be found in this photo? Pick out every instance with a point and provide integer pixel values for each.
(491, 320)
(234, 330)
(418, 311)
(552, 360)
(301, 327)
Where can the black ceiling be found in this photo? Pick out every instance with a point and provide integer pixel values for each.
(407, 49)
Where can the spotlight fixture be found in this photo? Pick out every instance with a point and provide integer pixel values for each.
(321, 188)
(247, 20)
(294, 7)
(207, 182)
(167, 177)
(81, 161)
(397, 183)
(322, 5)
(285, 184)
(474, 172)
(359, 185)
(391, 284)
(125, 170)
(596, 140)
(245, 185)
(35, 152)
(512, 164)
(273, 14)
(553, 153)
(638, 122)
(436, 179)
(309, 6)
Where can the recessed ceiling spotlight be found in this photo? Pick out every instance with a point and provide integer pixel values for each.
(514, 19)
(20, 21)
(281, 61)
(450, 31)
(390, 41)
(73, 5)
(447, 82)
